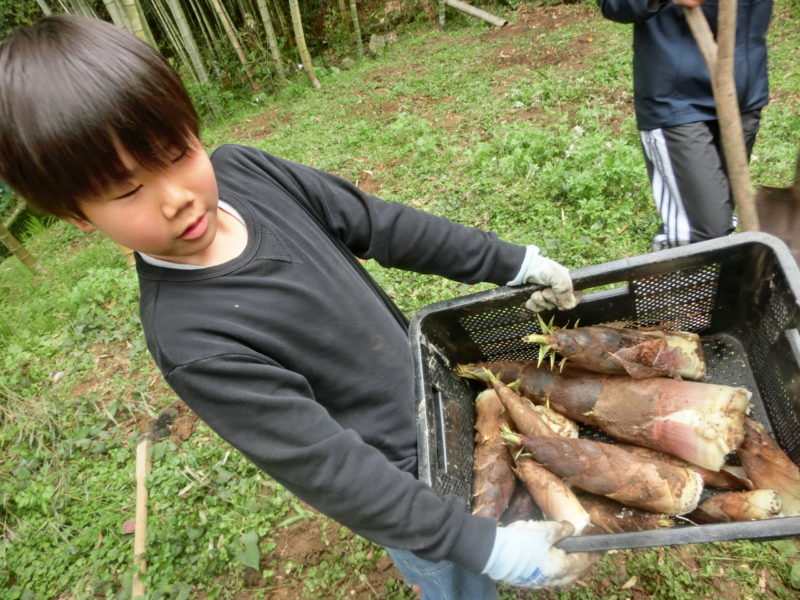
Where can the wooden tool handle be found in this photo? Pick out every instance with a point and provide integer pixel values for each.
(719, 58)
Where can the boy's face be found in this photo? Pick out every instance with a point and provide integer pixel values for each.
(170, 214)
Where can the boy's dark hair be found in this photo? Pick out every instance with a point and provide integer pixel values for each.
(73, 90)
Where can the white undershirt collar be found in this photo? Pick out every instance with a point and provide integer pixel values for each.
(152, 260)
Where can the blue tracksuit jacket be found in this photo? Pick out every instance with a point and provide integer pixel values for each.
(670, 79)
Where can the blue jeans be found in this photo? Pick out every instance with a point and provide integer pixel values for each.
(442, 580)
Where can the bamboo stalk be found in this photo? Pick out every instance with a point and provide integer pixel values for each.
(207, 30)
(134, 17)
(276, 10)
(187, 38)
(146, 25)
(475, 12)
(117, 14)
(300, 39)
(168, 26)
(344, 12)
(228, 27)
(272, 40)
(80, 7)
(356, 28)
(44, 6)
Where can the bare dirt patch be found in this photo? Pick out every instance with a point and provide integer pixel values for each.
(261, 126)
(308, 543)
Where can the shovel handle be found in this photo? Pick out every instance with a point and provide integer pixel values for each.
(719, 58)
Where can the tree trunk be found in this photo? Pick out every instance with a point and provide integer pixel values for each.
(300, 39)
(356, 27)
(17, 249)
(272, 40)
(226, 24)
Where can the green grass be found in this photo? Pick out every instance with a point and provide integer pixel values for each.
(483, 127)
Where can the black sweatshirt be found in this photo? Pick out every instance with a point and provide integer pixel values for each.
(289, 356)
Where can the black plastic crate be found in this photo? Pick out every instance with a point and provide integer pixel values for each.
(739, 293)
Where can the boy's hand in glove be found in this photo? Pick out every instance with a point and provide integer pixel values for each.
(558, 291)
(523, 555)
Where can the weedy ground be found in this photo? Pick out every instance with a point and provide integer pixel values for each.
(527, 130)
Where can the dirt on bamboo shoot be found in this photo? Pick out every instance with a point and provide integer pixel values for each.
(729, 477)
(609, 516)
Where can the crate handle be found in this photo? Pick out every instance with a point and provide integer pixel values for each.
(439, 428)
(768, 529)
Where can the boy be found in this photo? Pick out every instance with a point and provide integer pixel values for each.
(251, 304)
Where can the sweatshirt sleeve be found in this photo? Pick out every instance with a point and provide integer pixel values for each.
(394, 234)
(630, 11)
(271, 416)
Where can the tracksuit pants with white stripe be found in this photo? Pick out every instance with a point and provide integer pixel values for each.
(689, 181)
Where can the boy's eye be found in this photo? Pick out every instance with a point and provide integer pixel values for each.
(129, 193)
(182, 153)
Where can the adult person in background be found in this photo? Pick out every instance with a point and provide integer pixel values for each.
(676, 113)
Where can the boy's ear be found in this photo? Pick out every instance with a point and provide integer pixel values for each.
(82, 224)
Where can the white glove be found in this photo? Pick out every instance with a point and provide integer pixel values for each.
(523, 555)
(558, 284)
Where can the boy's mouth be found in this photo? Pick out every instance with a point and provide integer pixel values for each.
(196, 229)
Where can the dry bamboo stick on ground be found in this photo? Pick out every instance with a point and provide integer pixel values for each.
(140, 530)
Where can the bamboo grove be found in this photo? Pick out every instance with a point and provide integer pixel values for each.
(248, 45)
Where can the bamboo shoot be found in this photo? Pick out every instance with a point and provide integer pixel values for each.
(609, 471)
(615, 350)
(492, 474)
(768, 466)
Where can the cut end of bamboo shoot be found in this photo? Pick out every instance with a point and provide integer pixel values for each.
(689, 497)
(739, 506)
(685, 353)
(706, 435)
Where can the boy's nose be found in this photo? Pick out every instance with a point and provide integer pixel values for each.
(174, 198)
